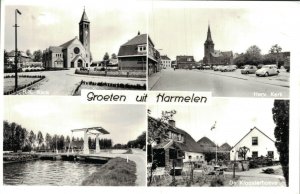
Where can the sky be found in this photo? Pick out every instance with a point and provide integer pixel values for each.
(176, 28)
(180, 28)
(234, 118)
(59, 115)
(53, 23)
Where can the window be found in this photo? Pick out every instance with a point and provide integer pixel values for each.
(142, 48)
(271, 154)
(254, 154)
(189, 59)
(254, 140)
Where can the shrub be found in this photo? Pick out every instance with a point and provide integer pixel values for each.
(217, 182)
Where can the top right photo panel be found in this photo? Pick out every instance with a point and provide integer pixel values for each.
(231, 51)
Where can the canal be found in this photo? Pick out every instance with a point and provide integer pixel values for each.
(47, 172)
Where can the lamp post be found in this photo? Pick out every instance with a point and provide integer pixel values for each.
(16, 49)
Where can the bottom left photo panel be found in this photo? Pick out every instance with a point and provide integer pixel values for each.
(62, 141)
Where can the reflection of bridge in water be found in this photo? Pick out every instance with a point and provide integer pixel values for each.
(66, 156)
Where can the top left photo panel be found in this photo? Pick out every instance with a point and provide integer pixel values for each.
(62, 48)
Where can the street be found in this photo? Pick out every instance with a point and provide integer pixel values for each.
(64, 82)
(221, 84)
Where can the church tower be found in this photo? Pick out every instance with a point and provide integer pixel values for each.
(208, 47)
(84, 31)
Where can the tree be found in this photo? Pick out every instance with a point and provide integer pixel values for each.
(28, 53)
(276, 49)
(48, 139)
(114, 56)
(40, 139)
(106, 59)
(243, 151)
(6, 57)
(253, 55)
(37, 56)
(281, 119)
(157, 130)
(32, 138)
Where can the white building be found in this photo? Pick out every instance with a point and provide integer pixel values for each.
(165, 61)
(258, 143)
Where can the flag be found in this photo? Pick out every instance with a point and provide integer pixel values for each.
(18, 12)
(214, 126)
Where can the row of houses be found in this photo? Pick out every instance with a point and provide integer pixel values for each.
(179, 147)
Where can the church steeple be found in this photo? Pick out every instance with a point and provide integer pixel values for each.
(209, 39)
(84, 17)
(84, 31)
(208, 47)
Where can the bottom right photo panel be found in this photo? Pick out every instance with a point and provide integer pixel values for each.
(231, 142)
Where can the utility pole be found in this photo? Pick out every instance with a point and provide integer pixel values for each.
(16, 49)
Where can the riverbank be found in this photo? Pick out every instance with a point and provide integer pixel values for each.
(18, 157)
(116, 172)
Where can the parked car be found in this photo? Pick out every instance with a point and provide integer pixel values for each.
(217, 68)
(205, 67)
(267, 70)
(249, 69)
(227, 68)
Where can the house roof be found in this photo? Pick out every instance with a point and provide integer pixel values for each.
(184, 58)
(225, 147)
(55, 49)
(137, 40)
(206, 144)
(164, 57)
(68, 43)
(250, 132)
(218, 53)
(189, 143)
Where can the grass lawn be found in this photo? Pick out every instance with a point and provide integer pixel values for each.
(9, 83)
(116, 172)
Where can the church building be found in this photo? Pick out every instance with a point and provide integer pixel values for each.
(215, 57)
(73, 53)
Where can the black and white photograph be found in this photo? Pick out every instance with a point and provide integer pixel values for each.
(60, 50)
(232, 52)
(58, 141)
(232, 143)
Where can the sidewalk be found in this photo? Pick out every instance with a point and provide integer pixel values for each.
(153, 79)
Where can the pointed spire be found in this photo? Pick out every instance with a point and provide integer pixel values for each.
(84, 17)
(208, 34)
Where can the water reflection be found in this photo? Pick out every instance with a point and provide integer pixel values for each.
(44, 172)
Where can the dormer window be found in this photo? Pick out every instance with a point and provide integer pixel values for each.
(142, 48)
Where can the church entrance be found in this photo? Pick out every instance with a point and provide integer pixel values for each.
(79, 63)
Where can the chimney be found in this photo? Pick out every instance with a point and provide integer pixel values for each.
(172, 123)
(139, 33)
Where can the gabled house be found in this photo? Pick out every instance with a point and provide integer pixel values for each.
(178, 147)
(259, 144)
(209, 149)
(133, 54)
(165, 61)
(185, 62)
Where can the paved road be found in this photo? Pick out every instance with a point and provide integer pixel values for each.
(222, 84)
(64, 82)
